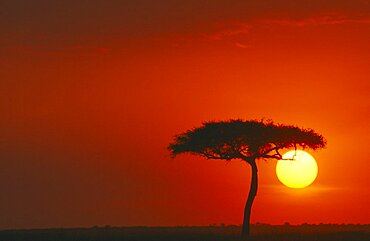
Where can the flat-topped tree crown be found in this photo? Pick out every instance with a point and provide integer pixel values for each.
(244, 139)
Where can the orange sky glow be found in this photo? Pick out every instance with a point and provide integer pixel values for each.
(91, 94)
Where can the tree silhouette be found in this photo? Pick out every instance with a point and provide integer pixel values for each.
(247, 141)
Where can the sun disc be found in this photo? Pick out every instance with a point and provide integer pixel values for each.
(299, 172)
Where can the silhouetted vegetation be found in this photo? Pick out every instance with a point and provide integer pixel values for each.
(260, 232)
(247, 141)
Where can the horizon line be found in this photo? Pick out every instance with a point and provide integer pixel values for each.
(221, 225)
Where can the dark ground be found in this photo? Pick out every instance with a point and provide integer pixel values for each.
(260, 232)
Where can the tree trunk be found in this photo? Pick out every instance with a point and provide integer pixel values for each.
(251, 196)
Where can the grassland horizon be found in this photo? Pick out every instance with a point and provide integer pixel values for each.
(259, 232)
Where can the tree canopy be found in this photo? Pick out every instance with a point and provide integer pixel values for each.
(240, 139)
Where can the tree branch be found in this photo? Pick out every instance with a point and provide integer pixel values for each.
(278, 153)
(210, 156)
(275, 148)
(275, 156)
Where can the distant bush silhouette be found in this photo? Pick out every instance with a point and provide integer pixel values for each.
(245, 140)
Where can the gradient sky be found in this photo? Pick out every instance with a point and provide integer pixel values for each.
(92, 92)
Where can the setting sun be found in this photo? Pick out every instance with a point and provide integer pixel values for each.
(299, 172)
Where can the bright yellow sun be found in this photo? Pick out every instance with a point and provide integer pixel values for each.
(297, 173)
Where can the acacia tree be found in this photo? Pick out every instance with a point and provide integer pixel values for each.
(247, 141)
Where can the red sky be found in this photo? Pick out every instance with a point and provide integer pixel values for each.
(91, 94)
